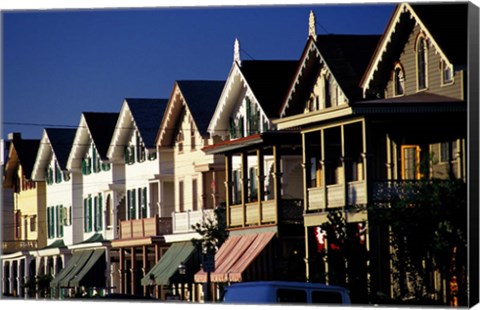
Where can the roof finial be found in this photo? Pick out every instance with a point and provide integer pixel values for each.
(311, 26)
(236, 52)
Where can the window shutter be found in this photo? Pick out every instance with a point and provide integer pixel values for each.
(89, 214)
(100, 212)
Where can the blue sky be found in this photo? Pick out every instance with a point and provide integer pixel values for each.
(60, 63)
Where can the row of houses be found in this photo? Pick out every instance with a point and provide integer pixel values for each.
(283, 147)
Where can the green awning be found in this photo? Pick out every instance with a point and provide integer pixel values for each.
(77, 261)
(167, 266)
(94, 257)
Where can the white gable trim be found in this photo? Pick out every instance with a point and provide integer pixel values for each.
(44, 154)
(235, 72)
(382, 49)
(311, 48)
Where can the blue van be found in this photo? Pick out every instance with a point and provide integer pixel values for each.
(272, 292)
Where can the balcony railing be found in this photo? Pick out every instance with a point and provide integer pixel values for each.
(390, 190)
(10, 246)
(182, 221)
(265, 212)
(147, 227)
(336, 196)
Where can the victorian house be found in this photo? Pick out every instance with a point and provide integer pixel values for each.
(377, 117)
(51, 167)
(147, 211)
(263, 176)
(97, 197)
(198, 181)
(29, 213)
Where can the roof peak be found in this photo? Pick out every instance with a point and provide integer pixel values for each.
(311, 26)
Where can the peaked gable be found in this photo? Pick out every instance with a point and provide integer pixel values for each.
(22, 153)
(267, 81)
(147, 115)
(444, 25)
(342, 57)
(56, 142)
(199, 97)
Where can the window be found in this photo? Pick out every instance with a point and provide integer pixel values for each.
(33, 223)
(421, 63)
(253, 196)
(98, 209)
(180, 141)
(140, 149)
(326, 92)
(237, 199)
(448, 151)
(233, 129)
(49, 175)
(129, 154)
(398, 81)
(59, 220)
(142, 201)
(180, 197)
(410, 162)
(447, 72)
(291, 296)
(326, 297)
(194, 195)
(131, 198)
(58, 174)
(152, 155)
(192, 136)
(86, 166)
(18, 224)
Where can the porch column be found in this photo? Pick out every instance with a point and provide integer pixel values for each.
(121, 269)
(11, 280)
(228, 186)
(277, 175)
(144, 267)
(324, 168)
(260, 183)
(306, 171)
(343, 160)
(133, 270)
(244, 168)
(389, 157)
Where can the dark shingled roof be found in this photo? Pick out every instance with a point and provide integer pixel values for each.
(202, 99)
(148, 115)
(448, 24)
(101, 126)
(61, 140)
(27, 152)
(347, 56)
(269, 81)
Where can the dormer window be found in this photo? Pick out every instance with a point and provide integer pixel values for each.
(421, 52)
(447, 72)
(398, 81)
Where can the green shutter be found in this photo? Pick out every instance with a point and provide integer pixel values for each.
(61, 221)
(85, 215)
(100, 212)
(144, 202)
(90, 220)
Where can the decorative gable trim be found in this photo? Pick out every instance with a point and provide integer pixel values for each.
(310, 48)
(387, 37)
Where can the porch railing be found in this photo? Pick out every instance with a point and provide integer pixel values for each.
(182, 221)
(10, 246)
(389, 190)
(146, 227)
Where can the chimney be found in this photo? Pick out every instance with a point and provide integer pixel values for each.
(236, 53)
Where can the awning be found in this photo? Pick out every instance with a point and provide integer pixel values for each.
(78, 266)
(92, 260)
(76, 262)
(165, 268)
(234, 257)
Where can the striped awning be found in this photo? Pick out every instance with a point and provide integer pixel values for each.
(167, 266)
(234, 257)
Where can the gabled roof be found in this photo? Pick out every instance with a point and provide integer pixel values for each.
(147, 115)
(269, 81)
(445, 25)
(345, 56)
(56, 141)
(101, 126)
(61, 140)
(200, 97)
(26, 151)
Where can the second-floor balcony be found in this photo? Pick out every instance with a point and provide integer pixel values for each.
(182, 221)
(265, 212)
(11, 246)
(147, 227)
(337, 195)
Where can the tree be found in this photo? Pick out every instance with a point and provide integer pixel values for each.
(428, 230)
